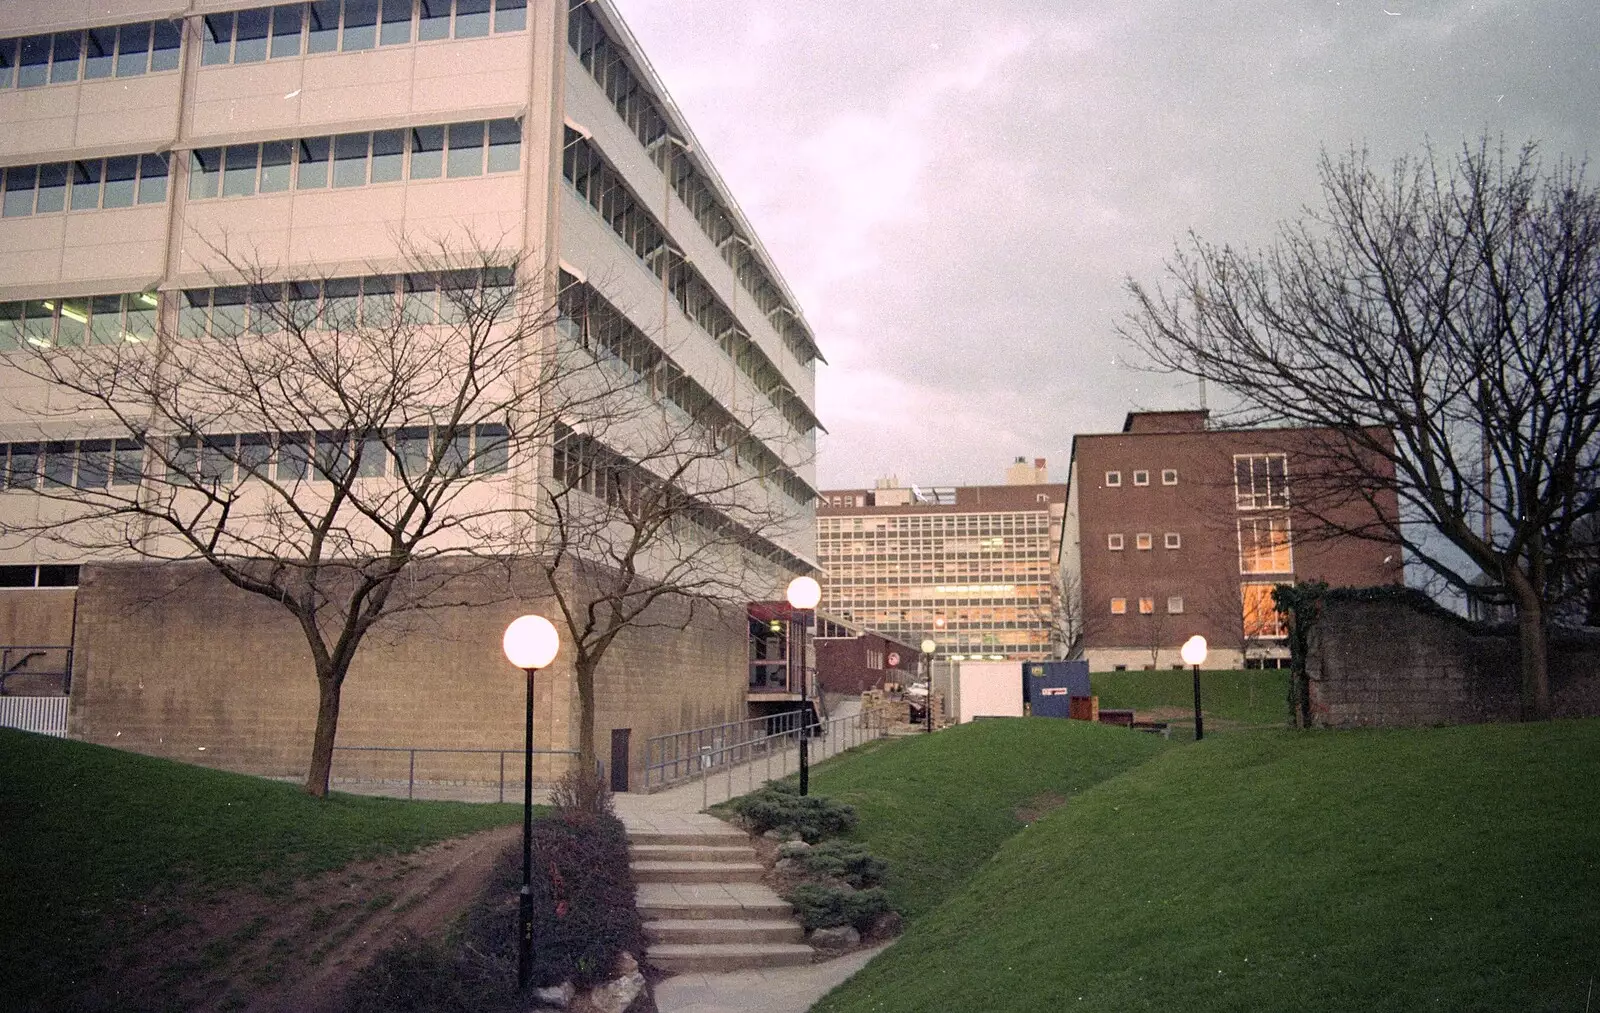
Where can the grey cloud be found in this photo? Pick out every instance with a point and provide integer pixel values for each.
(988, 287)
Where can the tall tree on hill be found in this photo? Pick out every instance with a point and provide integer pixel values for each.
(656, 518)
(1442, 320)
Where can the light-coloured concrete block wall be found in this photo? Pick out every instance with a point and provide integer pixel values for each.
(172, 659)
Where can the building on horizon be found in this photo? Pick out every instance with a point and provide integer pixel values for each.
(975, 568)
(1175, 528)
(151, 146)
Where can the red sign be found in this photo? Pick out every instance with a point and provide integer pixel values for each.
(894, 660)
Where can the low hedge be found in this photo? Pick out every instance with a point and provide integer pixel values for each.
(779, 806)
(584, 917)
(823, 907)
(849, 861)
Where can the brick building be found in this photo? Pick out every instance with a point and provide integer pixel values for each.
(972, 567)
(1175, 529)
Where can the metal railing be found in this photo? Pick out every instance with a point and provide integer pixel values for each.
(46, 715)
(766, 745)
(465, 780)
(43, 661)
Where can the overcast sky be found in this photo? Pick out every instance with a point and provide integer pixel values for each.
(957, 191)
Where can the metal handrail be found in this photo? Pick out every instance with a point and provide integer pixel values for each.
(412, 751)
(723, 747)
(8, 668)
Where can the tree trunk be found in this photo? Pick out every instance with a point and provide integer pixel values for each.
(1534, 644)
(584, 671)
(321, 770)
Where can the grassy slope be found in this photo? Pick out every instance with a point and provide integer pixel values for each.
(1249, 698)
(1449, 869)
(941, 805)
(85, 830)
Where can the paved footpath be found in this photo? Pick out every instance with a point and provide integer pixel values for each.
(772, 990)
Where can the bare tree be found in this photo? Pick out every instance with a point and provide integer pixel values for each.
(314, 440)
(1442, 322)
(651, 519)
(1065, 619)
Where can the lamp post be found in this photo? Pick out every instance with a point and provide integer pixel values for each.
(928, 647)
(803, 595)
(530, 644)
(1194, 653)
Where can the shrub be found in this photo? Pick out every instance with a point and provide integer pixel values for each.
(583, 902)
(822, 907)
(778, 807)
(583, 790)
(583, 918)
(846, 860)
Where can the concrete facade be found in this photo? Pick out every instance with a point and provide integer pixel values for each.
(467, 125)
(974, 568)
(1389, 664)
(1164, 541)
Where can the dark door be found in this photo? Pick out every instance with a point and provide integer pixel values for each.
(619, 758)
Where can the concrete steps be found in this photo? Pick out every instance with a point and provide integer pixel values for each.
(708, 871)
(728, 956)
(724, 930)
(704, 905)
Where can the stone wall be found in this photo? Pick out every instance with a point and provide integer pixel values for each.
(172, 660)
(1390, 663)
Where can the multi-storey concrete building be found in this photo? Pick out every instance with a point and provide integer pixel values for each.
(1175, 529)
(973, 567)
(151, 147)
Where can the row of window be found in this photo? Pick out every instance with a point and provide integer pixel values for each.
(347, 160)
(145, 47)
(1169, 476)
(1143, 541)
(589, 319)
(118, 182)
(250, 36)
(225, 460)
(43, 575)
(606, 191)
(323, 26)
(446, 297)
(585, 464)
(608, 66)
(1147, 606)
(86, 320)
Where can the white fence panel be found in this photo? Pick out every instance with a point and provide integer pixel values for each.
(46, 715)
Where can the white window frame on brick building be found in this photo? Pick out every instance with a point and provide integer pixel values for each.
(1114, 541)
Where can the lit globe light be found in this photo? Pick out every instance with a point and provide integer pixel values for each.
(531, 642)
(804, 593)
(928, 647)
(1194, 650)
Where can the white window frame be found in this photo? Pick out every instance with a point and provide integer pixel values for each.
(1169, 476)
(1119, 606)
(1114, 541)
(1172, 540)
(1141, 478)
(1144, 541)
(1251, 499)
(1175, 605)
(1147, 606)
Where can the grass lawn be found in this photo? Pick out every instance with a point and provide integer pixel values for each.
(88, 831)
(1228, 699)
(1434, 869)
(936, 807)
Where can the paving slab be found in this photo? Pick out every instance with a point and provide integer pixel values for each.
(770, 990)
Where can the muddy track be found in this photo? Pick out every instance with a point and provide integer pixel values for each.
(293, 947)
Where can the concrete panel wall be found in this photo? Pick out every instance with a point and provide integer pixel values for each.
(173, 661)
(1386, 664)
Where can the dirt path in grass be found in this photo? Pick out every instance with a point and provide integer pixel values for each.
(294, 947)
